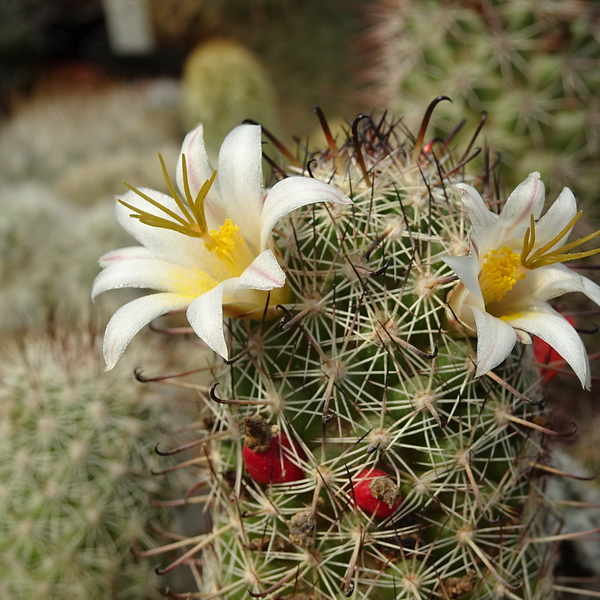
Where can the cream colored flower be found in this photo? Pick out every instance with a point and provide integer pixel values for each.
(207, 249)
(513, 269)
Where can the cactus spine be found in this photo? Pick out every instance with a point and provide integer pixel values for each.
(362, 376)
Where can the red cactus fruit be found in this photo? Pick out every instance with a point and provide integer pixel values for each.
(275, 464)
(376, 493)
(546, 354)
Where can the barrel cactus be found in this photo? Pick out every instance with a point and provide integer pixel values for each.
(359, 439)
(224, 83)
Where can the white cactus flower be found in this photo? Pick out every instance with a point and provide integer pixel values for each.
(514, 269)
(207, 248)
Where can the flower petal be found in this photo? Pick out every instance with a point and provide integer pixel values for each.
(196, 161)
(562, 210)
(525, 199)
(131, 252)
(557, 332)
(550, 282)
(467, 269)
(495, 340)
(153, 273)
(263, 274)
(291, 193)
(205, 315)
(131, 317)
(481, 217)
(240, 179)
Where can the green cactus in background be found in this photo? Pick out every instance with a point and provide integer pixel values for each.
(306, 47)
(75, 460)
(349, 449)
(224, 83)
(531, 65)
(39, 237)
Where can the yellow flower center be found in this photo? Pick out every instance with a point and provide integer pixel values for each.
(225, 242)
(500, 271)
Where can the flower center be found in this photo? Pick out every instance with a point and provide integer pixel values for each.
(226, 243)
(500, 271)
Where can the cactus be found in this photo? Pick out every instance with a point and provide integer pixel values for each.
(56, 191)
(531, 65)
(39, 236)
(224, 83)
(75, 460)
(350, 449)
(118, 142)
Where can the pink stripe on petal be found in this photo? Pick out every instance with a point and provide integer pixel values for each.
(263, 274)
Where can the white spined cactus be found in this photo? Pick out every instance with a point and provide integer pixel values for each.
(352, 449)
(75, 467)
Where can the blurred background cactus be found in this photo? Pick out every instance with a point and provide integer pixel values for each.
(531, 65)
(81, 146)
(307, 48)
(223, 84)
(63, 159)
(76, 454)
(350, 451)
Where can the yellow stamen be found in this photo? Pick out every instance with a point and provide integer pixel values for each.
(225, 242)
(193, 221)
(500, 271)
(543, 256)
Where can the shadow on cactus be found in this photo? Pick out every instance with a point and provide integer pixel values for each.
(350, 448)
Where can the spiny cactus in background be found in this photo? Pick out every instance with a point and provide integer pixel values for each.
(305, 47)
(81, 144)
(224, 83)
(75, 461)
(48, 185)
(531, 65)
(40, 235)
(349, 450)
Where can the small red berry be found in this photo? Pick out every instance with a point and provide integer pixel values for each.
(376, 493)
(275, 464)
(546, 354)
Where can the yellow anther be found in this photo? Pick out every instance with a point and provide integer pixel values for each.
(544, 256)
(500, 271)
(226, 241)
